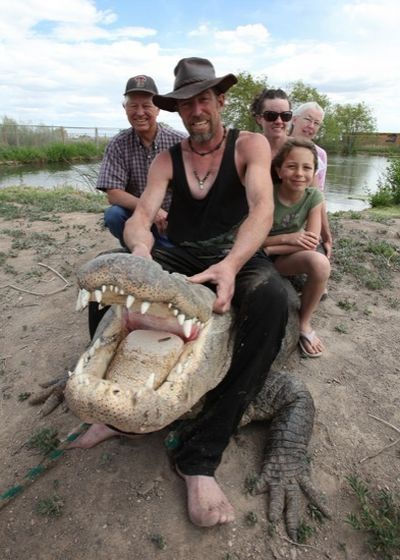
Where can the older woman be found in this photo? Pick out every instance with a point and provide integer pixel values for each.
(307, 120)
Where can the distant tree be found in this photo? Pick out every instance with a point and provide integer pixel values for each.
(300, 93)
(236, 112)
(350, 120)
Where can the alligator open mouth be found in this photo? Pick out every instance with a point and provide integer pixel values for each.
(157, 351)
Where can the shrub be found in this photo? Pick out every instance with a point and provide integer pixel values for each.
(388, 192)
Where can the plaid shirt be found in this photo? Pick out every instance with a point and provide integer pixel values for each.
(126, 161)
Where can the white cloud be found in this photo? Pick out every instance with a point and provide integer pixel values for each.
(68, 62)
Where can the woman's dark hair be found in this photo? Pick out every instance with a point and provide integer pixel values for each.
(288, 146)
(257, 103)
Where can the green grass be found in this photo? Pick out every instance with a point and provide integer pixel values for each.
(44, 441)
(52, 153)
(42, 204)
(371, 262)
(50, 507)
(159, 541)
(378, 517)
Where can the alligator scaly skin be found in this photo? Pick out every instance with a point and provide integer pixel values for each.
(286, 402)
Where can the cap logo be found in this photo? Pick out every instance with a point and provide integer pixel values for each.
(140, 81)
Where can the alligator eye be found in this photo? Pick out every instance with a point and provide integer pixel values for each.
(115, 392)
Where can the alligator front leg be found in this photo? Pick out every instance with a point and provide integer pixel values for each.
(286, 401)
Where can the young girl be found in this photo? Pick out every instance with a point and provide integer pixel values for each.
(296, 229)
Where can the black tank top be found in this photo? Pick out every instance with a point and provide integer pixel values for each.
(207, 227)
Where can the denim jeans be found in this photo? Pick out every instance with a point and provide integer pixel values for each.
(114, 219)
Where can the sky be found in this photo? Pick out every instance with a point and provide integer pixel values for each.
(66, 62)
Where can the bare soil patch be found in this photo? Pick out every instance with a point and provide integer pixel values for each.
(121, 499)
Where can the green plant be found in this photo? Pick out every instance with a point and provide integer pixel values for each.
(304, 532)
(347, 305)
(251, 518)
(250, 483)
(379, 518)
(341, 328)
(158, 540)
(44, 441)
(50, 507)
(388, 192)
(23, 396)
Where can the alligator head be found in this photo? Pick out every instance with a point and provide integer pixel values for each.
(157, 351)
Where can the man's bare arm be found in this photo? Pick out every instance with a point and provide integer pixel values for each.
(254, 154)
(137, 229)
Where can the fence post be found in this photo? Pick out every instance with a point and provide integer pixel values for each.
(96, 135)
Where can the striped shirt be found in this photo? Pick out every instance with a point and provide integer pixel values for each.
(126, 160)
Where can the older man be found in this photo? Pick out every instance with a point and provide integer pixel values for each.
(220, 214)
(128, 156)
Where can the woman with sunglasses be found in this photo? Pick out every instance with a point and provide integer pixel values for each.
(272, 112)
(306, 123)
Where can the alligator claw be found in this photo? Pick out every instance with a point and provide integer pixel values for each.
(285, 497)
(51, 396)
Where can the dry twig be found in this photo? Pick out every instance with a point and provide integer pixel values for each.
(306, 546)
(66, 284)
(380, 451)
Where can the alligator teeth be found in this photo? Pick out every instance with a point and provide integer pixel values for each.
(103, 288)
(78, 305)
(175, 312)
(150, 381)
(85, 296)
(121, 292)
(129, 301)
(100, 306)
(96, 343)
(181, 318)
(179, 369)
(79, 367)
(70, 373)
(98, 295)
(144, 307)
(169, 305)
(111, 288)
(187, 327)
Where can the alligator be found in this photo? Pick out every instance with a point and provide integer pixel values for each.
(164, 325)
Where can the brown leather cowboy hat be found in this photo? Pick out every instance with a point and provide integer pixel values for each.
(192, 76)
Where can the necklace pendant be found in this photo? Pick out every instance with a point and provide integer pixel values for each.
(201, 185)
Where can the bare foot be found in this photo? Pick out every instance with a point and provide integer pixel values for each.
(207, 504)
(94, 435)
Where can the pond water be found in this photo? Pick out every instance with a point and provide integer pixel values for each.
(348, 178)
(352, 177)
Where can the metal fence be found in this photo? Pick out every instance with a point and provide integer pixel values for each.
(39, 135)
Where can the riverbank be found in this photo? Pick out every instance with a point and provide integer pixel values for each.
(121, 499)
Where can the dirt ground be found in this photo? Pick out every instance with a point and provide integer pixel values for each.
(121, 499)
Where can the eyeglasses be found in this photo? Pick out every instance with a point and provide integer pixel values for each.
(271, 116)
(317, 124)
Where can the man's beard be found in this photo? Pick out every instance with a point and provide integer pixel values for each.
(202, 138)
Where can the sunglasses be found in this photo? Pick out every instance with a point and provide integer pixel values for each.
(271, 116)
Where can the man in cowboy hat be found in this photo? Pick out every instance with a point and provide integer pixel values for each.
(123, 172)
(220, 214)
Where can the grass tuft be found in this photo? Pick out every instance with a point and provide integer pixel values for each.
(379, 517)
(44, 441)
(50, 507)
